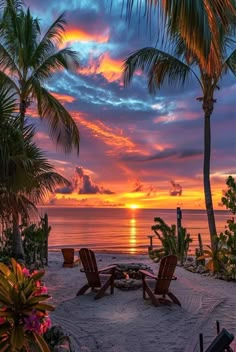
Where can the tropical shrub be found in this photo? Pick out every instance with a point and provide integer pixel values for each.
(229, 198)
(217, 256)
(34, 240)
(171, 243)
(23, 311)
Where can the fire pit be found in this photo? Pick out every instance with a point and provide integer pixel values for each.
(127, 276)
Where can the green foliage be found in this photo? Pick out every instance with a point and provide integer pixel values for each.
(199, 252)
(171, 243)
(217, 256)
(34, 239)
(23, 311)
(229, 198)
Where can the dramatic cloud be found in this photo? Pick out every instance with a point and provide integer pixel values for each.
(82, 184)
(176, 189)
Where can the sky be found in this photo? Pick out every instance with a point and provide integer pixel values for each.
(136, 149)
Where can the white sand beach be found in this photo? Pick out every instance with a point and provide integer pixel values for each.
(124, 322)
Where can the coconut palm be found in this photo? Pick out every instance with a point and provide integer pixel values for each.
(175, 68)
(195, 21)
(28, 61)
(26, 176)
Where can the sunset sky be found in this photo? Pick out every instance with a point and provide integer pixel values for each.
(136, 149)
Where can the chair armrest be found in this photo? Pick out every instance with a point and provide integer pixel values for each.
(110, 268)
(147, 273)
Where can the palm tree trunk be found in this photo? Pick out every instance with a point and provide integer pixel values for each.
(206, 178)
(17, 247)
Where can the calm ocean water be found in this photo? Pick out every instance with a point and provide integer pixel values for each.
(121, 230)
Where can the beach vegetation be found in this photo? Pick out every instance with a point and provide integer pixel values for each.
(222, 258)
(216, 256)
(34, 240)
(229, 197)
(174, 64)
(26, 176)
(198, 23)
(28, 60)
(171, 242)
(23, 309)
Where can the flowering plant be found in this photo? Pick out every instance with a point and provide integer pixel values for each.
(23, 313)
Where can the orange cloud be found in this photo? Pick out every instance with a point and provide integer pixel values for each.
(63, 98)
(80, 35)
(111, 137)
(108, 67)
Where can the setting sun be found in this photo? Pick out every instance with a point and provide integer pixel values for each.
(134, 206)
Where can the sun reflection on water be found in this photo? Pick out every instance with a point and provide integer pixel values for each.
(132, 237)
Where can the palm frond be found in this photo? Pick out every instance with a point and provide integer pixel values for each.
(230, 62)
(63, 59)
(196, 21)
(160, 67)
(62, 127)
(52, 38)
(7, 62)
(8, 105)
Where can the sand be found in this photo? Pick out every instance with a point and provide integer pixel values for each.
(124, 322)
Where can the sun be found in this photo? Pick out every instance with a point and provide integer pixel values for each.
(134, 206)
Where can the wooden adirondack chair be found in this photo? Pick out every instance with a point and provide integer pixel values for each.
(97, 279)
(162, 282)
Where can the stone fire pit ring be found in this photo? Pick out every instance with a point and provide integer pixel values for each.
(127, 276)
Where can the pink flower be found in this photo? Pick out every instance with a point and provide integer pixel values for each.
(2, 320)
(32, 323)
(26, 272)
(41, 289)
(45, 325)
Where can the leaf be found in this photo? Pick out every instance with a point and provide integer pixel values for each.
(43, 307)
(4, 269)
(17, 337)
(41, 342)
(5, 347)
(37, 299)
(5, 299)
(38, 275)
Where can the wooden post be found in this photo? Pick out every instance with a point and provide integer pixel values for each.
(150, 247)
(201, 342)
(179, 224)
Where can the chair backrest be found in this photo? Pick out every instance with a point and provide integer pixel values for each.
(89, 263)
(165, 274)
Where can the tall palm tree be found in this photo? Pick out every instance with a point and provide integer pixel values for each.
(26, 176)
(175, 67)
(195, 20)
(27, 61)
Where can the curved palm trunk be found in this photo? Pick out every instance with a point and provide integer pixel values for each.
(208, 108)
(17, 247)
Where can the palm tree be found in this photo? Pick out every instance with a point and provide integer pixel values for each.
(27, 61)
(174, 68)
(26, 176)
(195, 21)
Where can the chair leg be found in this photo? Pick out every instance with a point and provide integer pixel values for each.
(174, 298)
(144, 288)
(154, 299)
(103, 289)
(82, 290)
(112, 285)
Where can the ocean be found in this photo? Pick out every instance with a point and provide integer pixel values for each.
(120, 229)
